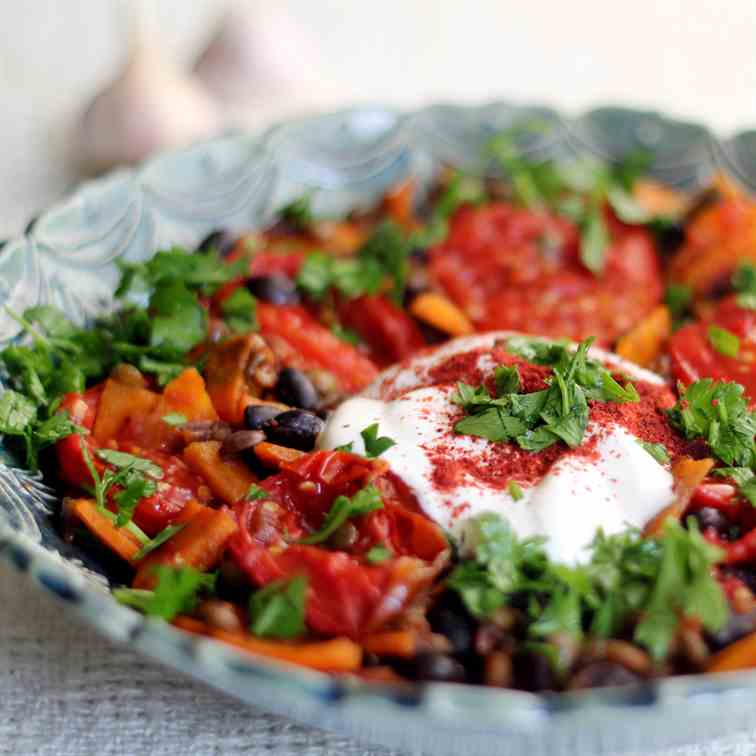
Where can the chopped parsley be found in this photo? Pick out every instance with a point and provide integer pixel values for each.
(345, 334)
(514, 490)
(744, 282)
(278, 609)
(724, 341)
(176, 592)
(678, 298)
(175, 419)
(298, 213)
(657, 451)
(256, 493)
(240, 311)
(375, 445)
(542, 418)
(164, 535)
(378, 554)
(345, 508)
(658, 580)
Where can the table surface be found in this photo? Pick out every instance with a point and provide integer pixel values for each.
(63, 689)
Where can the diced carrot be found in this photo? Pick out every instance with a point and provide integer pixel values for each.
(272, 455)
(229, 479)
(399, 643)
(337, 655)
(120, 540)
(338, 237)
(200, 544)
(688, 474)
(398, 203)
(644, 343)
(436, 310)
(186, 394)
(118, 403)
(738, 655)
(190, 624)
(658, 199)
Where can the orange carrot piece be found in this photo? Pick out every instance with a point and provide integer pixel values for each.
(200, 544)
(337, 655)
(440, 312)
(738, 655)
(399, 643)
(229, 479)
(644, 343)
(120, 540)
(688, 474)
(119, 402)
(186, 394)
(190, 624)
(398, 202)
(272, 455)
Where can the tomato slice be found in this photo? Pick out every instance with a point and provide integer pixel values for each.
(82, 409)
(300, 341)
(511, 268)
(694, 357)
(390, 333)
(347, 595)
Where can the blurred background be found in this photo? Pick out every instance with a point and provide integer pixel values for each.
(267, 60)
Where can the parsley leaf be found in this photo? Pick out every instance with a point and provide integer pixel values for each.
(175, 419)
(718, 412)
(724, 341)
(744, 282)
(122, 460)
(594, 240)
(179, 322)
(278, 609)
(137, 488)
(388, 248)
(351, 277)
(678, 298)
(164, 535)
(514, 490)
(345, 334)
(176, 592)
(256, 493)
(298, 213)
(378, 554)
(375, 446)
(344, 508)
(657, 451)
(240, 311)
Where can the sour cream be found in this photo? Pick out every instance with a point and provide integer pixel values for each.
(618, 485)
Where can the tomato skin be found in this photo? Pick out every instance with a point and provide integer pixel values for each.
(693, 357)
(301, 341)
(82, 409)
(346, 595)
(511, 268)
(390, 333)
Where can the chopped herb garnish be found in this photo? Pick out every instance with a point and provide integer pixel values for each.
(240, 311)
(660, 580)
(122, 460)
(657, 451)
(344, 508)
(345, 334)
(540, 419)
(724, 341)
(175, 419)
(345, 447)
(678, 298)
(298, 213)
(378, 554)
(744, 282)
(164, 535)
(514, 490)
(176, 592)
(256, 493)
(375, 446)
(136, 488)
(278, 609)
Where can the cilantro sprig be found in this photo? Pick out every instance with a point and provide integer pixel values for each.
(278, 609)
(177, 591)
(345, 508)
(744, 283)
(626, 577)
(541, 418)
(375, 445)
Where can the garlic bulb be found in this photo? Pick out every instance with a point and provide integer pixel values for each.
(150, 106)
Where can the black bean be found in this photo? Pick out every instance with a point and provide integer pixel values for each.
(297, 429)
(219, 240)
(449, 618)
(295, 388)
(602, 674)
(437, 667)
(241, 440)
(256, 415)
(710, 517)
(533, 672)
(275, 288)
(738, 626)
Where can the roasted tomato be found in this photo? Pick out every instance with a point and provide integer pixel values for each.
(693, 356)
(510, 268)
(387, 329)
(300, 341)
(347, 595)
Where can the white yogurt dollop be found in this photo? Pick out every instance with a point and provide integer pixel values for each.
(617, 486)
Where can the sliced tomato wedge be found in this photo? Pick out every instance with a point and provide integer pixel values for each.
(693, 356)
(390, 333)
(300, 341)
(347, 595)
